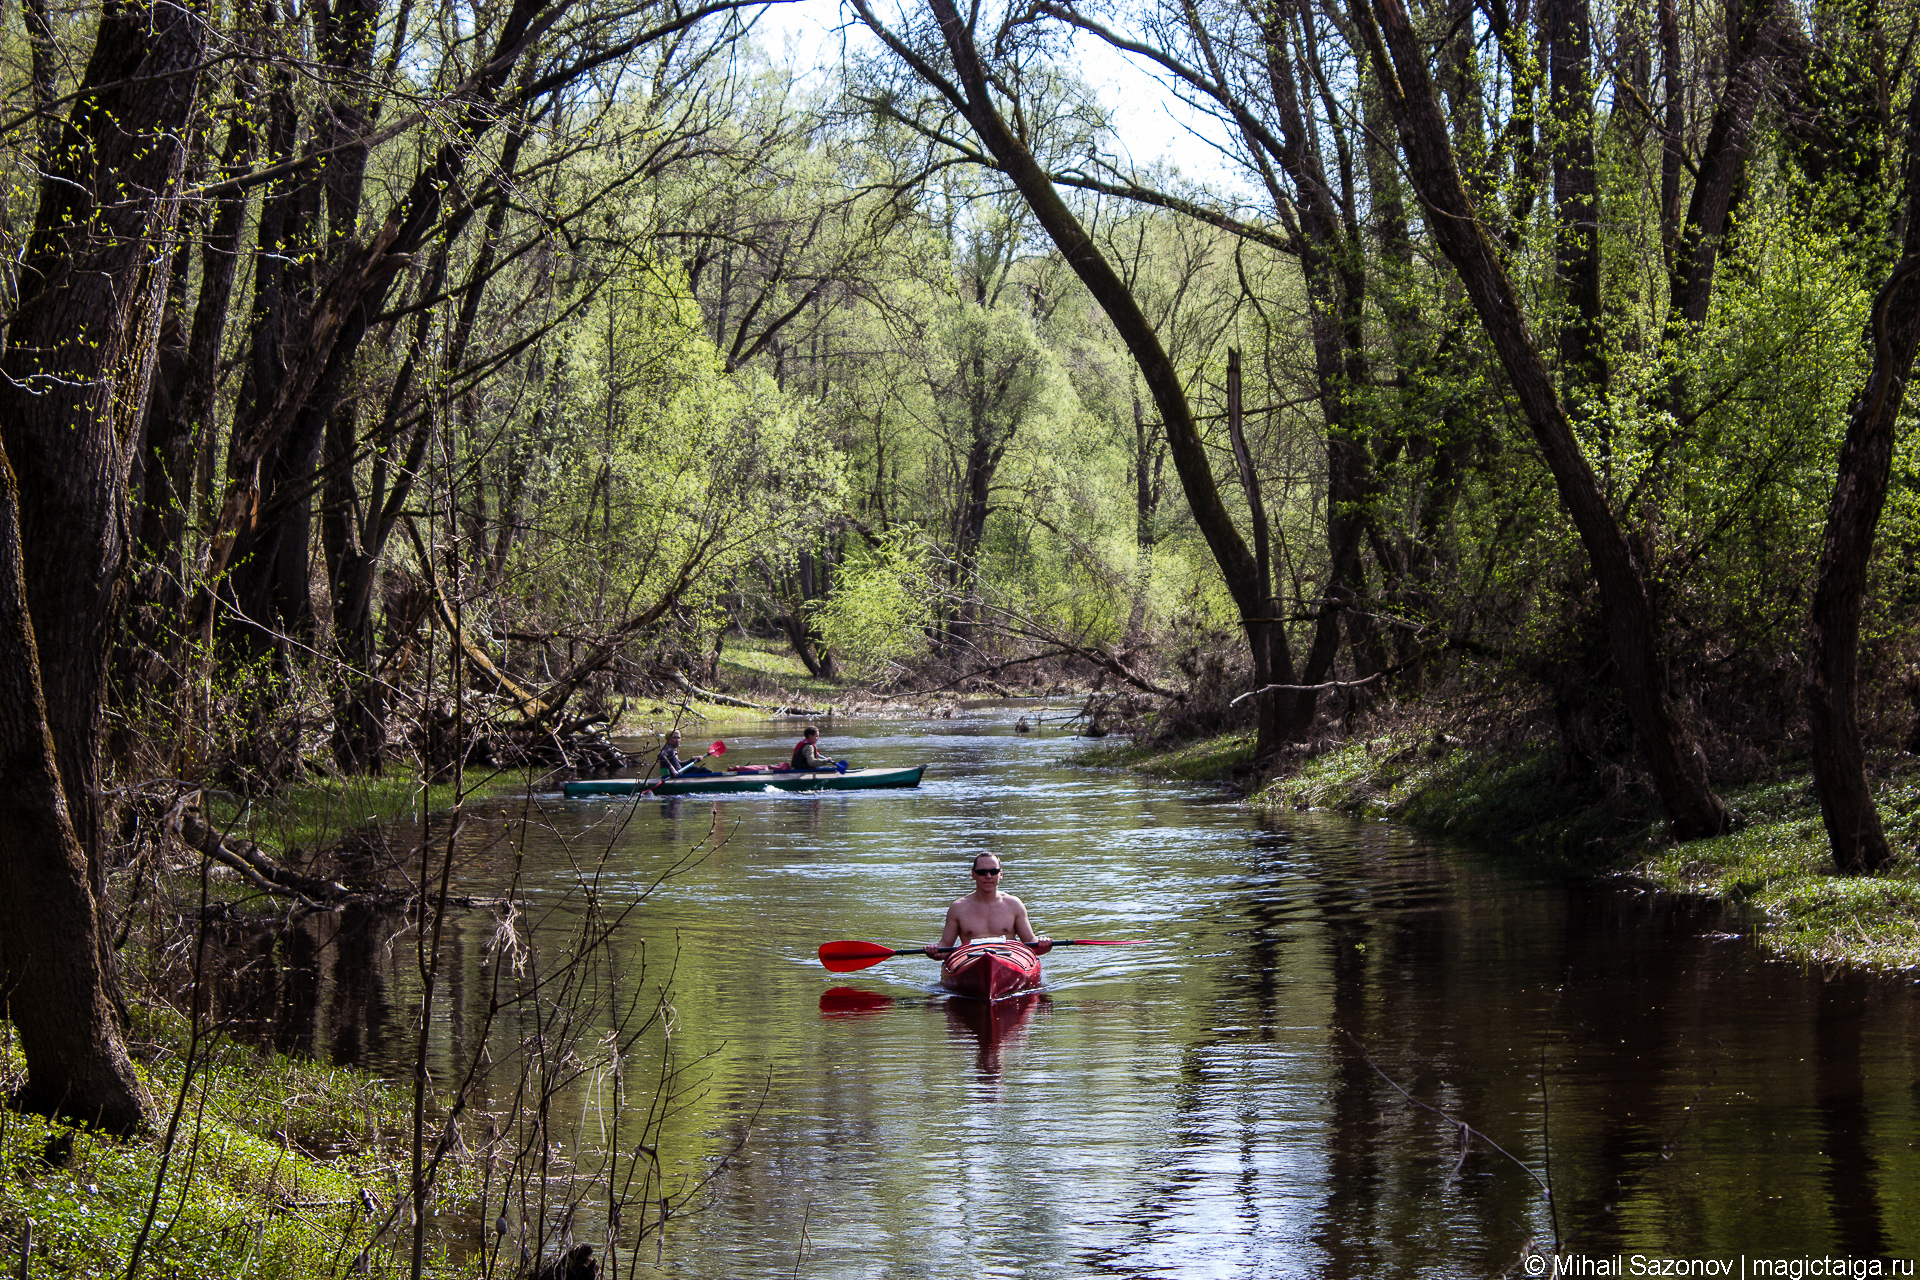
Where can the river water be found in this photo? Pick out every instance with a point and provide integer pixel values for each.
(1342, 1049)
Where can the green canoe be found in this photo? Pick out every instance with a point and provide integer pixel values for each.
(704, 784)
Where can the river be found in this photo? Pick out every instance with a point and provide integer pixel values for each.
(1341, 1049)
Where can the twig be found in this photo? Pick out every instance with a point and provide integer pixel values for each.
(1322, 687)
(1394, 670)
(1467, 1133)
(728, 700)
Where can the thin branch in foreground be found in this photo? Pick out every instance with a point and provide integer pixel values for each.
(1466, 1131)
(1326, 685)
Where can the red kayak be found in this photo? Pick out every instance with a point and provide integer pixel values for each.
(990, 970)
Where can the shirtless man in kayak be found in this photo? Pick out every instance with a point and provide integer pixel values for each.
(987, 913)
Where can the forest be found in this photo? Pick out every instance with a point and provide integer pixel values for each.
(401, 387)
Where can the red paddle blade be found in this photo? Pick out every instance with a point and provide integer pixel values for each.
(717, 749)
(845, 957)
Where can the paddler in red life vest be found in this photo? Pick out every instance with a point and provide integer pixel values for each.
(987, 913)
(806, 753)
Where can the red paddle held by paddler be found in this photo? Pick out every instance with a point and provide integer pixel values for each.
(847, 955)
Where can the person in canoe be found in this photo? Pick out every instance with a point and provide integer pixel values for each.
(987, 913)
(806, 754)
(671, 766)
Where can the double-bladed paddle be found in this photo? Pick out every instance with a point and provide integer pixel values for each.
(845, 957)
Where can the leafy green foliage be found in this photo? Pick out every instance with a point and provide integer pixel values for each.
(278, 1169)
(884, 605)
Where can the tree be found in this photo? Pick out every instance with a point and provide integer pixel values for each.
(1678, 772)
(1284, 718)
(79, 356)
(1859, 493)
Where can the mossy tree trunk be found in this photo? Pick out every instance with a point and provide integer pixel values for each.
(1859, 492)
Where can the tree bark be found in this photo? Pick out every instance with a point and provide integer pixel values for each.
(52, 983)
(1676, 766)
(179, 423)
(1332, 267)
(1859, 492)
(1697, 240)
(1576, 193)
(79, 360)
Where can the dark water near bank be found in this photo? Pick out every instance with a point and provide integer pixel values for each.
(1234, 1098)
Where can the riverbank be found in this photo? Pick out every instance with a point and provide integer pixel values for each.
(1775, 864)
(276, 1167)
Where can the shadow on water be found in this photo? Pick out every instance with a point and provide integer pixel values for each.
(1226, 1099)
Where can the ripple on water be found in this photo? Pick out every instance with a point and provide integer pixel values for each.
(1223, 1099)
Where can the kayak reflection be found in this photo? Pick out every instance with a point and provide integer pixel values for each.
(994, 1025)
(852, 1002)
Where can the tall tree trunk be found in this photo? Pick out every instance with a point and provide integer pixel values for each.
(1722, 163)
(1859, 491)
(1331, 264)
(1678, 770)
(1576, 192)
(179, 429)
(78, 365)
(79, 360)
(52, 982)
(1673, 142)
(1290, 706)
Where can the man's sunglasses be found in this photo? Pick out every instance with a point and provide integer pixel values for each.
(986, 871)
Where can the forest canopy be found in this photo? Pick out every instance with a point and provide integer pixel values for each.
(1535, 369)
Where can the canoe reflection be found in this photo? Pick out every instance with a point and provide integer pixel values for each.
(994, 1025)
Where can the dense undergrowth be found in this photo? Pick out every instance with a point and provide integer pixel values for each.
(277, 1167)
(1775, 863)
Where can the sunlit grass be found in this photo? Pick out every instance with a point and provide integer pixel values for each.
(316, 813)
(280, 1168)
(771, 658)
(1207, 760)
(1431, 782)
(1781, 869)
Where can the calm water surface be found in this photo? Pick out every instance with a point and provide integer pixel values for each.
(1272, 1085)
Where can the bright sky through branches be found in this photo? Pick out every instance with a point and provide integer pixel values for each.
(1153, 124)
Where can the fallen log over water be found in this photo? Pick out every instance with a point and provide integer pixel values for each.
(268, 874)
(728, 700)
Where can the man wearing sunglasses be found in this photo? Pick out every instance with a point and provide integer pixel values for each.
(987, 913)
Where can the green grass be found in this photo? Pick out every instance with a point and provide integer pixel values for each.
(752, 667)
(1430, 782)
(1207, 760)
(317, 813)
(1780, 867)
(266, 1177)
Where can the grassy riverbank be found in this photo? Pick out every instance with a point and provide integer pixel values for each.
(277, 1168)
(1776, 863)
(264, 1165)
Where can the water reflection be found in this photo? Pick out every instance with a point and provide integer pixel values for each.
(994, 1027)
(1228, 1099)
(853, 1002)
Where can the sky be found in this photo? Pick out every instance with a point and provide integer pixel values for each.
(1154, 124)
